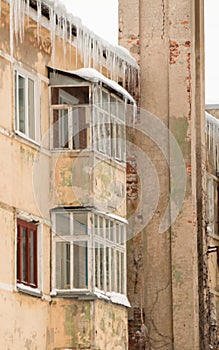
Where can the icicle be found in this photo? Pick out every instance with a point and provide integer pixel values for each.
(28, 9)
(70, 38)
(22, 20)
(38, 19)
(64, 35)
(123, 74)
(52, 16)
(16, 17)
(12, 28)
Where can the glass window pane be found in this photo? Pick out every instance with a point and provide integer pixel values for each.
(113, 270)
(31, 109)
(105, 101)
(62, 265)
(79, 137)
(123, 269)
(96, 225)
(108, 268)
(80, 265)
(97, 265)
(15, 102)
(60, 128)
(113, 105)
(121, 110)
(101, 267)
(113, 139)
(21, 101)
(80, 224)
(63, 128)
(32, 257)
(63, 224)
(24, 253)
(107, 229)
(118, 238)
(118, 263)
(101, 225)
(112, 235)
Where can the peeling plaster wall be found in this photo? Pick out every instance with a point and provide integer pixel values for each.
(41, 322)
(172, 314)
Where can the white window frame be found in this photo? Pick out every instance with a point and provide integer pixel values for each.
(70, 104)
(111, 145)
(95, 237)
(18, 72)
(212, 202)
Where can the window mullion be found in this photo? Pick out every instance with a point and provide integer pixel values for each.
(104, 255)
(27, 245)
(91, 276)
(120, 272)
(71, 265)
(110, 269)
(70, 127)
(26, 107)
(19, 254)
(115, 259)
(72, 252)
(124, 262)
(35, 258)
(17, 103)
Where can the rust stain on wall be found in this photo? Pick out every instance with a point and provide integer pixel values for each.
(174, 52)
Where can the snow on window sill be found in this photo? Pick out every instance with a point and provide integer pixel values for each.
(113, 297)
(35, 292)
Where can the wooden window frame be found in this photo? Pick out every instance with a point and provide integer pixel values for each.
(29, 227)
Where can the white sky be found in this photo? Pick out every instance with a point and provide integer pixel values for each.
(101, 16)
(212, 51)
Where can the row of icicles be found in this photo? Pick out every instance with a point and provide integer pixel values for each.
(93, 50)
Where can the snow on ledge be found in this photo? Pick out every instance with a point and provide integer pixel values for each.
(94, 76)
(114, 297)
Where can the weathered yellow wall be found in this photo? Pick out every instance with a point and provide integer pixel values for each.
(41, 322)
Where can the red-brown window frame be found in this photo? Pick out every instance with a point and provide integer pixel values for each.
(28, 227)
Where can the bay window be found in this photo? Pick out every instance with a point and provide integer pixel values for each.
(89, 252)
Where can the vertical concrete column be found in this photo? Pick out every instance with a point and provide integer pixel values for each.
(154, 63)
(172, 89)
(185, 122)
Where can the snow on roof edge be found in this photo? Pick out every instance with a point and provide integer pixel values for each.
(120, 51)
(94, 76)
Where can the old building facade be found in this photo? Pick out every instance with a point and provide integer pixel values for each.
(62, 195)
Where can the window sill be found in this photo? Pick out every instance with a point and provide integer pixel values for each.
(34, 292)
(115, 298)
(27, 139)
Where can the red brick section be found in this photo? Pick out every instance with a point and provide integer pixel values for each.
(132, 179)
(137, 340)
